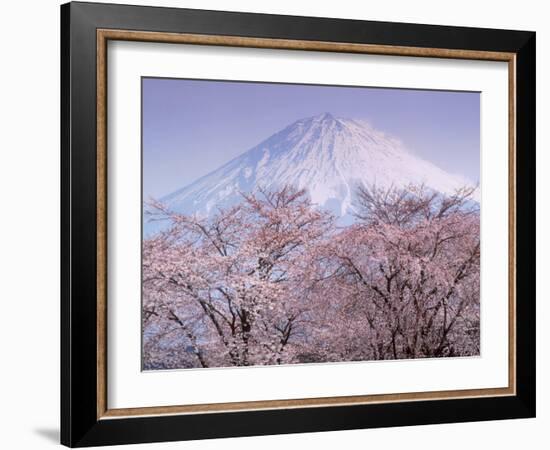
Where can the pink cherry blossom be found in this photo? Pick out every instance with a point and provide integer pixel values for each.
(275, 280)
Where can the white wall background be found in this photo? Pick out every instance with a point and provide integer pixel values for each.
(29, 236)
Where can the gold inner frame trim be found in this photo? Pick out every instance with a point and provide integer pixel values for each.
(103, 36)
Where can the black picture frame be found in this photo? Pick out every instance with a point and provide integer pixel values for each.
(80, 425)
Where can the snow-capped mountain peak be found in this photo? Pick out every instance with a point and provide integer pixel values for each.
(328, 156)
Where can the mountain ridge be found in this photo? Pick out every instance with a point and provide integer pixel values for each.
(326, 155)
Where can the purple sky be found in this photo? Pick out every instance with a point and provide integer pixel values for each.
(192, 127)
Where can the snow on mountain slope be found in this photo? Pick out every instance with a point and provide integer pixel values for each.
(328, 156)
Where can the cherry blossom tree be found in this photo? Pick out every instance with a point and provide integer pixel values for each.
(233, 287)
(406, 276)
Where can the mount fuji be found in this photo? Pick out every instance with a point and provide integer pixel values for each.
(326, 155)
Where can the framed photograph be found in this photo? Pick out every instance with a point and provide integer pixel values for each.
(276, 224)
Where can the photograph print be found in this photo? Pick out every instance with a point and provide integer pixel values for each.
(298, 224)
